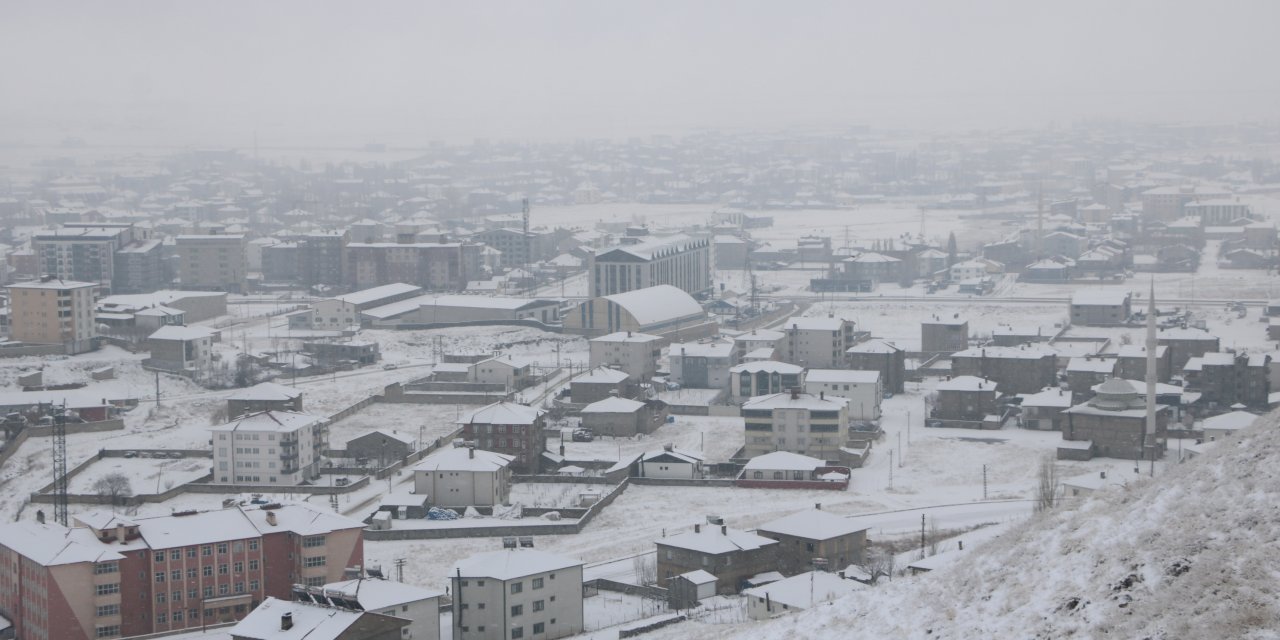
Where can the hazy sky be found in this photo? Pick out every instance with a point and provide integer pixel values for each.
(319, 73)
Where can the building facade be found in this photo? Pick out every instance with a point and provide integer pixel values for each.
(812, 425)
(54, 312)
(679, 260)
(270, 448)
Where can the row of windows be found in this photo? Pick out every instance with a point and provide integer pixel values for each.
(206, 571)
(205, 550)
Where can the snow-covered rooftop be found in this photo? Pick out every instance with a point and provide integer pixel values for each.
(814, 323)
(967, 383)
(703, 349)
(785, 400)
(602, 375)
(814, 524)
(627, 336)
(374, 294)
(464, 459)
(770, 366)
(653, 305)
(1092, 365)
(310, 621)
(1099, 297)
(804, 590)
(502, 413)
(265, 392)
(715, 540)
(842, 376)
(1229, 421)
(376, 595)
(509, 564)
(614, 405)
(180, 333)
(270, 421)
(783, 461)
(52, 544)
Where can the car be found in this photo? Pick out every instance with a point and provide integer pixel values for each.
(583, 435)
(389, 366)
(933, 423)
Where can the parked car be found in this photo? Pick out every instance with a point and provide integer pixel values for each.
(583, 435)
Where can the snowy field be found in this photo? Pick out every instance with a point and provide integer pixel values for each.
(715, 438)
(418, 422)
(146, 475)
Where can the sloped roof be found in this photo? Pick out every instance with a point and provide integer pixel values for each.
(462, 459)
(502, 413)
(653, 305)
(509, 564)
(814, 524)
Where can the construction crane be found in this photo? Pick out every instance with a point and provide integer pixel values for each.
(60, 463)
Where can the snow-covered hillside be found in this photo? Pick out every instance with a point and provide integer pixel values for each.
(1190, 554)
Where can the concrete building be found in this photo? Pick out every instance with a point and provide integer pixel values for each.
(278, 448)
(635, 354)
(814, 425)
(1132, 362)
(1084, 372)
(53, 312)
(943, 336)
(421, 607)
(433, 309)
(212, 262)
(730, 555)
(1100, 308)
(647, 261)
(758, 339)
(432, 266)
(464, 477)
(264, 396)
(818, 342)
(514, 374)
(702, 365)
(1185, 344)
(966, 401)
(600, 383)
(381, 446)
(1022, 369)
(1225, 379)
(1113, 425)
(1226, 425)
(517, 593)
(120, 257)
(277, 619)
(730, 252)
(882, 356)
(622, 417)
(764, 377)
(863, 389)
(1168, 203)
(808, 535)
(508, 428)
(664, 310)
(322, 258)
(1042, 410)
(181, 349)
(110, 576)
(196, 306)
(343, 313)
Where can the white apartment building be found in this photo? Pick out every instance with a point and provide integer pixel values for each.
(397, 599)
(341, 313)
(633, 353)
(817, 342)
(647, 261)
(464, 477)
(212, 262)
(269, 448)
(53, 312)
(515, 594)
(702, 365)
(863, 389)
(810, 425)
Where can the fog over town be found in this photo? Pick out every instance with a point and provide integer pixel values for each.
(508, 320)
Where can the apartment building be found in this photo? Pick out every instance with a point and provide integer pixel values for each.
(633, 353)
(322, 258)
(818, 342)
(464, 477)
(863, 389)
(646, 261)
(397, 599)
(731, 555)
(517, 593)
(54, 312)
(212, 262)
(1022, 369)
(108, 254)
(269, 448)
(509, 428)
(702, 365)
(108, 576)
(812, 425)
(432, 266)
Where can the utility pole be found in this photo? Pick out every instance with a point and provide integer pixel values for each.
(400, 562)
(891, 469)
(900, 456)
(984, 482)
(922, 543)
(157, 388)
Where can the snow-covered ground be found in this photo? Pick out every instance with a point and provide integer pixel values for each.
(715, 438)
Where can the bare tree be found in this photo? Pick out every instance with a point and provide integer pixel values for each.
(878, 562)
(646, 568)
(114, 486)
(1047, 492)
(935, 538)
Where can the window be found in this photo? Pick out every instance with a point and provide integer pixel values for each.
(161, 598)
(314, 561)
(208, 591)
(537, 583)
(222, 548)
(159, 556)
(206, 550)
(239, 587)
(517, 587)
(223, 589)
(517, 610)
(192, 614)
(539, 605)
(175, 575)
(192, 594)
(538, 627)
(192, 572)
(162, 617)
(177, 615)
(517, 632)
(108, 631)
(176, 554)
(223, 569)
(238, 567)
(207, 570)
(108, 610)
(253, 565)
(253, 585)
(105, 567)
(253, 545)
(176, 596)
(310, 542)
(159, 576)
(480, 606)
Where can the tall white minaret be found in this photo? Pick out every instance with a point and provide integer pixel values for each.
(1150, 439)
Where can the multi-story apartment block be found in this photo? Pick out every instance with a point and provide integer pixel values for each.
(818, 342)
(702, 365)
(322, 257)
(731, 555)
(1100, 308)
(53, 312)
(763, 377)
(140, 268)
(811, 425)
(509, 428)
(1185, 343)
(1168, 203)
(432, 266)
(878, 355)
(863, 389)
(109, 576)
(1023, 369)
(633, 353)
(212, 262)
(268, 448)
(642, 262)
(517, 593)
(83, 253)
(518, 248)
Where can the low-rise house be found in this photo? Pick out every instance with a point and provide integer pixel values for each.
(1100, 307)
(862, 389)
(421, 607)
(1087, 484)
(786, 470)
(382, 446)
(509, 428)
(797, 422)
(812, 534)
(622, 417)
(291, 620)
(1132, 362)
(1043, 410)
(267, 448)
(598, 384)
(175, 348)
(264, 396)
(1113, 425)
(882, 356)
(1227, 424)
(966, 401)
(702, 365)
(797, 593)
(505, 370)
(464, 477)
(730, 555)
(1083, 373)
(687, 589)
(763, 377)
(671, 463)
(517, 593)
(405, 505)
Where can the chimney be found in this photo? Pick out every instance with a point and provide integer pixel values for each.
(271, 520)
(40, 516)
(724, 530)
(822, 395)
(818, 506)
(697, 528)
(628, 333)
(120, 533)
(286, 621)
(795, 393)
(471, 452)
(1102, 474)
